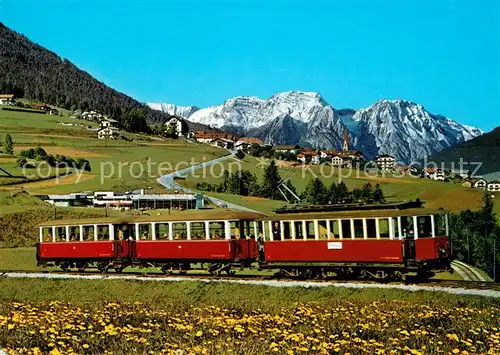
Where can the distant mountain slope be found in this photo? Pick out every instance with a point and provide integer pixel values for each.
(36, 73)
(401, 128)
(484, 149)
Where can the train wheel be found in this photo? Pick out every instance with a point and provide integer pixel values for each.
(81, 266)
(65, 266)
(103, 267)
(166, 269)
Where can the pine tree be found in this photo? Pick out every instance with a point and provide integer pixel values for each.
(9, 144)
(333, 193)
(378, 194)
(270, 182)
(342, 192)
(316, 192)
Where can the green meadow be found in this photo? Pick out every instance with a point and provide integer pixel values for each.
(436, 194)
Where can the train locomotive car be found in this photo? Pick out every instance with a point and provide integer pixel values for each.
(383, 242)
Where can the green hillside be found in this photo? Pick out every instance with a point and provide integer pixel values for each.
(437, 194)
(484, 149)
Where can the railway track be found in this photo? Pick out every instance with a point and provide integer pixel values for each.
(256, 279)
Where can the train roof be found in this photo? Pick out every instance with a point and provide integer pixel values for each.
(197, 215)
(378, 213)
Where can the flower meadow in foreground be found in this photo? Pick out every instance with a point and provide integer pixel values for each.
(383, 327)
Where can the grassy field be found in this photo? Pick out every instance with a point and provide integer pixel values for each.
(436, 194)
(117, 165)
(123, 317)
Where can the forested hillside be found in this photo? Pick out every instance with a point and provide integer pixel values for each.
(484, 149)
(33, 72)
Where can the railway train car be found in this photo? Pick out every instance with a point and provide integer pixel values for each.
(381, 242)
(217, 239)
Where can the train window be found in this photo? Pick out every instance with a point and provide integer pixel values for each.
(179, 230)
(198, 230)
(407, 228)
(247, 228)
(236, 229)
(346, 228)
(323, 230)
(60, 234)
(103, 232)
(161, 231)
(383, 228)
(424, 226)
(310, 230)
(287, 230)
(371, 228)
(47, 234)
(125, 231)
(440, 225)
(395, 227)
(217, 230)
(74, 233)
(144, 231)
(334, 229)
(358, 228)
(88, 233)
(299, 233)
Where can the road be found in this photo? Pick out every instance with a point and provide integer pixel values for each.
(168, 182)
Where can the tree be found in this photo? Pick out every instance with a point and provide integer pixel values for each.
(21, 162)
(135, 121)
(342, 192)
(316, 192)
(9, 144)
(255, 150)
(240, 154)
(366, 192)
(172, 131)
(270, 182)
(378, 194)
(333, 193)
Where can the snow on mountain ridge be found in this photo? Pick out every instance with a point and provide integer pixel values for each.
(174, 110)
(401, 128)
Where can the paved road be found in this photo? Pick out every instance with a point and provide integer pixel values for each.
(168, 182)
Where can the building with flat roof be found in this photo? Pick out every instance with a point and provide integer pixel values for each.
(168, 201)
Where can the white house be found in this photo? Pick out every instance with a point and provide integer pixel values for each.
(493, 186)
(480, 184)
(108, 122)
(180, 125)
(385, 162)
(294, 149)
(341, 160)
(435, 174)
(222, 143)
(108, 132)
(7, 99)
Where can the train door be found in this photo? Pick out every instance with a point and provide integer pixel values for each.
(408, 234)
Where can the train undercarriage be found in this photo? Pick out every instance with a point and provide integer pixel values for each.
(302, 271)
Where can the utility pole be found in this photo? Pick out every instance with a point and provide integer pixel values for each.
(494, 261)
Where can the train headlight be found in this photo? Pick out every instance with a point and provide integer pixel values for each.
(442, 251)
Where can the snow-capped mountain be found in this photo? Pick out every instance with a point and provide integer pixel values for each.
(174, 110)
(406, 130)
(401, 128)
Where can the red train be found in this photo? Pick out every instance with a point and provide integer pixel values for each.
(378, 242)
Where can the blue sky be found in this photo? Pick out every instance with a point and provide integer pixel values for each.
(443, 54)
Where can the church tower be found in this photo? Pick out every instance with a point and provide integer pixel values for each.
(346, 141)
